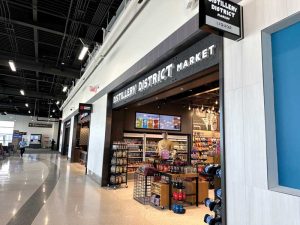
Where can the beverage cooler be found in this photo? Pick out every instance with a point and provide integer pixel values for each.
(141, 146)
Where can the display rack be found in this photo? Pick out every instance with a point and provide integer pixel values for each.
(142, 187)
(205, 143)
(147, 144)
(159, 195)
(118, 165)
(135, 151)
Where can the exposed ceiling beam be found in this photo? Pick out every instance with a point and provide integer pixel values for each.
(40, 67)
(28, 78)
(56, 15)
(36, 41)
(28, 94)
(35, 26)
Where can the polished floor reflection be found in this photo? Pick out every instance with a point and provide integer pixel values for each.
(47, 189)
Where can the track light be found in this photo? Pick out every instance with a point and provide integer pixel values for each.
(26, 104)
(12, 65)
(51, 116)
(22, 92)
(57, 103)
(83, 52)
(29, 111)
(65, 88)
(53, 110)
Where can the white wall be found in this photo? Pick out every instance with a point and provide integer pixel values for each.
(61, 137)
(249, 201)
(158, 20)
(21, 124)
(71, 137)
(97, 137)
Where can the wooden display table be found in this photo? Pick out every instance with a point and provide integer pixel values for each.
(173, 176)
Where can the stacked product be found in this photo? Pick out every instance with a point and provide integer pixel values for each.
(179, 197)
(208, 173)
(119, 160)
(214, 205)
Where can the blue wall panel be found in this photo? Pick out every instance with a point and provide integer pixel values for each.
(286, 75)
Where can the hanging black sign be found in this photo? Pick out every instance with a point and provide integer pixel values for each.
(85, 108)
(222, 17)
(40, 125)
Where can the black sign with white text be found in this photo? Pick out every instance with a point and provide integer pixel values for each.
(202, 55)
(40, 125)
(222, 17)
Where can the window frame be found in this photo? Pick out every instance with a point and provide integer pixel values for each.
(270, 124)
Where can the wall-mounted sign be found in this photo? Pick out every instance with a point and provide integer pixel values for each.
(222, 17)
(198, 57)
(41, 125)
(85, 108)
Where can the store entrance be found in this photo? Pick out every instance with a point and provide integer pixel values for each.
(176, 135)
(80, 149)
(66, 139)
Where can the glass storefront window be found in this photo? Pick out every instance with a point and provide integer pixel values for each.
(6, 132)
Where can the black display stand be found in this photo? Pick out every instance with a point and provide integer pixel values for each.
(118, 165)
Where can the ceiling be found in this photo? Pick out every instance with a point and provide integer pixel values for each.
(43, 37)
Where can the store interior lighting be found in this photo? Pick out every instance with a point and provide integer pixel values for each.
(65, 88)
(57, 103)
(22, 92)
(12, 65)
(26, 104)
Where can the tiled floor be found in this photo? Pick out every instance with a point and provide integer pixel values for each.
(75, 199)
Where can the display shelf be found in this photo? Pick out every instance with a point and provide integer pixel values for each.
(119, 164)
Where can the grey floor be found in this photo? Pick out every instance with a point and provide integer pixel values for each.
(45, 189)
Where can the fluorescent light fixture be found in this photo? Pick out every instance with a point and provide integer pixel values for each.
(26, 104)
(22, 92)
(53, 110)
(12, 65)
(65, 88)
(83, 52)
(29, 111)
(57, 103)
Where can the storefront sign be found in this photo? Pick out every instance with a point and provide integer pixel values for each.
(196, 58)
(221, 17)
(41, 125)
(85, 108)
